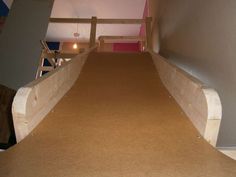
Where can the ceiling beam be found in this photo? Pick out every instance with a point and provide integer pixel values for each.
(99, 21)
(139, 38)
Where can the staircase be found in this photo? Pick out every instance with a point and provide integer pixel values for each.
(117, 120)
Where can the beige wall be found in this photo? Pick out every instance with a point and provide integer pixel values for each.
(200, 37)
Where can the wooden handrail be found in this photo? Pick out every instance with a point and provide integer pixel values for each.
(35, 100)
(59, 55)
(200, 103)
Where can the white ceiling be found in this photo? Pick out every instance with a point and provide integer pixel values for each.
(89, 8)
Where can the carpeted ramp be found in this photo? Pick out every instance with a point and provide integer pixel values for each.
(118, 120)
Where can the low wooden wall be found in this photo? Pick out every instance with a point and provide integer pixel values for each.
(35, 100)
(201, 104)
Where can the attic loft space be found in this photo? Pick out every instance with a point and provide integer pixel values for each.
(64, 32)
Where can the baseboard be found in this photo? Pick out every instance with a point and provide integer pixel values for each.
(230, 152)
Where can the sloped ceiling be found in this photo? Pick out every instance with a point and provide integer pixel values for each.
(98, 8)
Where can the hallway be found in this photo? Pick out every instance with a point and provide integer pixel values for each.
(118, 120)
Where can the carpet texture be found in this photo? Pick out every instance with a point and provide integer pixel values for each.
(118, 120)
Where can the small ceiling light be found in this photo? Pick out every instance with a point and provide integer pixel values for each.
(76, 35)
(75, 46)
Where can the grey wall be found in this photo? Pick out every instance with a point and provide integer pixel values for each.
(20, 39)
(200, 37)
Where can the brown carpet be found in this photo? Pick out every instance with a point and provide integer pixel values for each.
(118, 120)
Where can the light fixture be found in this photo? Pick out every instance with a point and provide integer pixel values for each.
(76, 35)
(75, 45)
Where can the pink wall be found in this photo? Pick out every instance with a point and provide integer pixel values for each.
(145, 14)
(126, 47)
(133, 47)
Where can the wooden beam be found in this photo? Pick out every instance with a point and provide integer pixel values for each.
(66, 55)
(149, 32)
(47, 50)
(93, 32)
(50, 56)
(51, 61)
(121, 21)
(46, 68)
(99, 21)
(70, 20)
(41, 59)
(59, 55)
(44, 45)
(139, 38)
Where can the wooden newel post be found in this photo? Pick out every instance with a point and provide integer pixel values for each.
(149, 33)
(93, 32)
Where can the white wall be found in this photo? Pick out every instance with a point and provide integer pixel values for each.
(200, 37)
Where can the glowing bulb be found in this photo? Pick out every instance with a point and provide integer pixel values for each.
(75, 46)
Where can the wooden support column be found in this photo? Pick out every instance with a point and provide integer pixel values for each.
(93, 32)
(142, 45)
(149, 33)
(41, 60)
(101, 47)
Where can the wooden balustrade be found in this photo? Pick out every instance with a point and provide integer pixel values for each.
(35, 100)
(200, 103)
